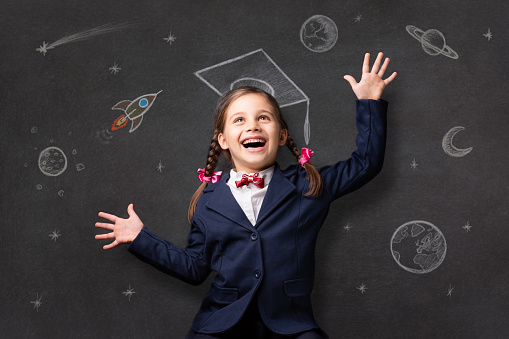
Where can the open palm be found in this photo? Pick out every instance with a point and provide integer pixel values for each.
(371, 85)
(123, 230)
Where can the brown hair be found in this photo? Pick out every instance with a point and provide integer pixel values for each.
(315, 181)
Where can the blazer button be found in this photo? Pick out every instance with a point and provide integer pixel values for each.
(254, 236)
(258, 274)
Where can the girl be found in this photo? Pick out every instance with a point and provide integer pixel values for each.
(257, 225)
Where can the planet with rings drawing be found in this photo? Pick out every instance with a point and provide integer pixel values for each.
(432, 42)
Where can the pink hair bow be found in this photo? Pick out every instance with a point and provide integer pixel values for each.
(215, 177)
(306, 155)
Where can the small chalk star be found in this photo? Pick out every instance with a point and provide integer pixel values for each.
(129, 292)
(160, 167)
(467, 227)
(449, 291)
(414, 164)
(37, 302)
(171, 38)
(348, 226)
(357, 18)
(114, 69)
(488, 35)
(44, 48)
(55, 235)
(362, 288)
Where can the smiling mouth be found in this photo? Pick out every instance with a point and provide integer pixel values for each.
(253, 143)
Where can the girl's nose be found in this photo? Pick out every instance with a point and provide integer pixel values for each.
(253, 126)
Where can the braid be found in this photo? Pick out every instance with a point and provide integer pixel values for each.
(315, 180)
(212, 159)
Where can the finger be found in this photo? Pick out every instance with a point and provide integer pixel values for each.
(377, 63)
(105, 236)
(389, 79)
(365, 65)
(351, 80)
(384, 67)
(113, 244)
(108, 216)
(104, 225)
(130, 211)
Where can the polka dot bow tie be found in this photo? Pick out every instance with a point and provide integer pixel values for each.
(247, 179)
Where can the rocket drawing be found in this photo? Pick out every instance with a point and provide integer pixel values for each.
(134, 111)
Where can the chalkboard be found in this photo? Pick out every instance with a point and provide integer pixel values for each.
(69, 70)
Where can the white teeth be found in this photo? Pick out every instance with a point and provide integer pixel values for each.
(251, 141)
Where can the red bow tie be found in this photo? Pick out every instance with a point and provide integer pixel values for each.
(250, 178)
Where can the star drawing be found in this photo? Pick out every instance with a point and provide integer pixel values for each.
(414, 164)
(44, 48)
(488, 35)
(362, 288)
(160, 167)
(129, 292)
(114, 69)
(37, 302)
(357, 18)
(347, 227)
(467, 227)
(449, 291)
(171, 38)
(55, 235)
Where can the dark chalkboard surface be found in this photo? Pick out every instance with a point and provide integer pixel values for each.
(421, 251)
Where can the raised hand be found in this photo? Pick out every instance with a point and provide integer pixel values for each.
(371, 85)
(123, 230)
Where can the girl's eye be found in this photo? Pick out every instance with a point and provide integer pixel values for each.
(263, 117)
(238, 120)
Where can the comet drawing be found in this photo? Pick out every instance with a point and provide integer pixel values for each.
(82, 35)
(133, 110)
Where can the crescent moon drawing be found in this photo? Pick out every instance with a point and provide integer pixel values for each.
(449, 148)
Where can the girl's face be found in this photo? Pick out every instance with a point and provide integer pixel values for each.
(252, 133)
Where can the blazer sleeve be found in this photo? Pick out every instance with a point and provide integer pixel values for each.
(367, 160)
(190, 264)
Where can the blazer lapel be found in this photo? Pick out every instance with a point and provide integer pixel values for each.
(223, 202)
(279, 188)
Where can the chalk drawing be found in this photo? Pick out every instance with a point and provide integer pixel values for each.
(256, 69)
(129, 293)
(449, 148)
(418, 246)
(319, 33)
(432, 42)
(114, 69)
(171, 38)
(38, 187)
(362, 288)
(37, 302)
(160, 167)
(133, 110)
(488, 35)
(414, 164)
(467, 227)
(74, 152)
(449, 291)
(34, 130)
(55, 235)
(52, 161)
(82, 35)
(61, 193)
(357, 18)
(348, 226)
(80, 167)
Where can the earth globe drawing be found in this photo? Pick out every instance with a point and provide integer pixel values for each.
(432, 42)
(52, 161)
(319, 33)
(418, 246)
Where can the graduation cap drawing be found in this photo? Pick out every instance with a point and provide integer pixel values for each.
(256, 69)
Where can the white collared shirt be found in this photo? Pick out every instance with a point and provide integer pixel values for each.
(250, 197)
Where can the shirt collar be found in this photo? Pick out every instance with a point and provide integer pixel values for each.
(266, 174)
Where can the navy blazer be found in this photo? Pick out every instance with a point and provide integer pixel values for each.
(275, 260)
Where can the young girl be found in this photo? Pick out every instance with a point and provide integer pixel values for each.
(257, 225)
